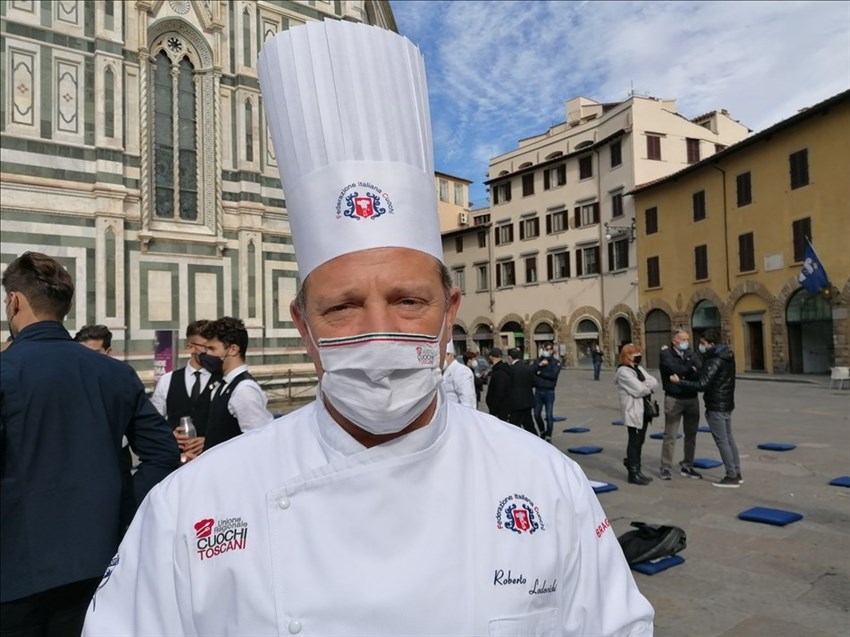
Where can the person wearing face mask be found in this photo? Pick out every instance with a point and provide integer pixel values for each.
(680, 403)
(64, 409)
(190, 393)
(382, 508)
(238, 402)
(458, 380)
(546, 372)
(633, 384)
(471, 361)
(717, 381)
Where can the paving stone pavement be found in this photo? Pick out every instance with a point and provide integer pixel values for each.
(740, 579)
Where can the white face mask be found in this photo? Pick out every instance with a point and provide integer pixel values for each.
(383, 381)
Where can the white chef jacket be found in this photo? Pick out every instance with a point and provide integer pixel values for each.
(459, 383)
(468, 526)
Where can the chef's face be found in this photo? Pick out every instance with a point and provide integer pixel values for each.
(379, 290)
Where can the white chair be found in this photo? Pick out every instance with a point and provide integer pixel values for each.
(840, 374)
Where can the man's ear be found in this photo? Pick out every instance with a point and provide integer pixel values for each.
(301, 324)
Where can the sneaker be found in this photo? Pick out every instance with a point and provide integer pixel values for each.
(665, 474)
(740, 479)
(689, 472)
(728, 483)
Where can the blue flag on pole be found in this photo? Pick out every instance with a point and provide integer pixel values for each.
(812, 277)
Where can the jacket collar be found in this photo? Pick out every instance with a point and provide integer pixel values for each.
(42, 330)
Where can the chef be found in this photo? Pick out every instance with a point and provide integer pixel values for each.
(381, 508)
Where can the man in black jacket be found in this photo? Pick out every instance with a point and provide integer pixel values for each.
(680, 403)
(63, 412)
(546, 373)
(717, 380)
(522, 392)
(499, 386)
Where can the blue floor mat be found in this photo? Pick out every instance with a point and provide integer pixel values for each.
(777, 446)
(777, 517)
(656, 566)
(619, 423)
(704, 430)
(659, 435)
(585, 450)
(841, 481)
(558, 418)
(576, 430)
(706, 463)
(602, 487)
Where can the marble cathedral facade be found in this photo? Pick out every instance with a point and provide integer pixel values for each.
(134, 149)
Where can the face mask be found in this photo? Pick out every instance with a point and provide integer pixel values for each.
(474, 364)
(380, 382)
(702, 348)
(637, 359)
(213, 364)
(683, 345)
(546, 354)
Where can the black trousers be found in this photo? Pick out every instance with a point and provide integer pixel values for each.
(522, 418)
(57, 612)
(635, 445)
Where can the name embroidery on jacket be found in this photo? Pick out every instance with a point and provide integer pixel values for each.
(213, 539)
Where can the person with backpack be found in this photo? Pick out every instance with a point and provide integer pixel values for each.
(634, 384)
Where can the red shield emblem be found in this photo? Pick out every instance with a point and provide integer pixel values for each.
(363, 207)
(521, 519)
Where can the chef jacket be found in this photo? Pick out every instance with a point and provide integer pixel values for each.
(467, 526)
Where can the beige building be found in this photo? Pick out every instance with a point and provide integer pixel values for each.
(722, 244)
(135, 150)
(452, 201)
(553, 258)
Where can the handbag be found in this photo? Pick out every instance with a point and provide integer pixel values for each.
(650, 408)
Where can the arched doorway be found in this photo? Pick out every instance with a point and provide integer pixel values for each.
(750, 338)
(586, 334)
(511, 335)
(658, 335)
(808, 318)
(542, 332)
(459, 340)
(622, 335)
(706, 316)
(483, 339)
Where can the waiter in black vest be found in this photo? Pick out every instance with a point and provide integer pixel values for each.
(238, 402)
(190, 392)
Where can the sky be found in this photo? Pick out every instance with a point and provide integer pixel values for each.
(499, 70)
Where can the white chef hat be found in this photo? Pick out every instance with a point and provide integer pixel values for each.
(347, 106)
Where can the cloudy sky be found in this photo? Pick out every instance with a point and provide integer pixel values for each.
(499, 71)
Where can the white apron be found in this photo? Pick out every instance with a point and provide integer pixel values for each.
(468, 526)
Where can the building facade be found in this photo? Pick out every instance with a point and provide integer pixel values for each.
(557, 261)
(135, 150)
(452, 201)
(722, 244)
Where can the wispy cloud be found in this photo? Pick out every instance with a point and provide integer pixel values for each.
(501, 71)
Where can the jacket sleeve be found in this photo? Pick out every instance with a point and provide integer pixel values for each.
(151, 439)
(628, 380)
(706, 376)
(146, 584)
(650, 380)
(465, 387)
(549, 371)
(599, 595)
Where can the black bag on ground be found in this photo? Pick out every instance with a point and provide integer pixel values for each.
(651, 542)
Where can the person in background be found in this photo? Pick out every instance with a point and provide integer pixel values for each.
(596, 356)
(458, 380)
(633, 384)
(470, 359)
(717, 381)
(96, 337)
(63, 412)
(238, 403)
(680, 403)
(190, 394)
(499, 386)
(341, 517)
(522, 392)
(546, 374)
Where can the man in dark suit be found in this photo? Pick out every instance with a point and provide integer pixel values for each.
(522, 392)
(63, 412)
(499, 387)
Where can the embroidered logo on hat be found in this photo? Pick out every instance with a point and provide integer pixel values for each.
(367, 202)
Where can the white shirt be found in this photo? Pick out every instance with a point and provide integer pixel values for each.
(160, 392)
(459, 383)
(296, 526)
(247, 402)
